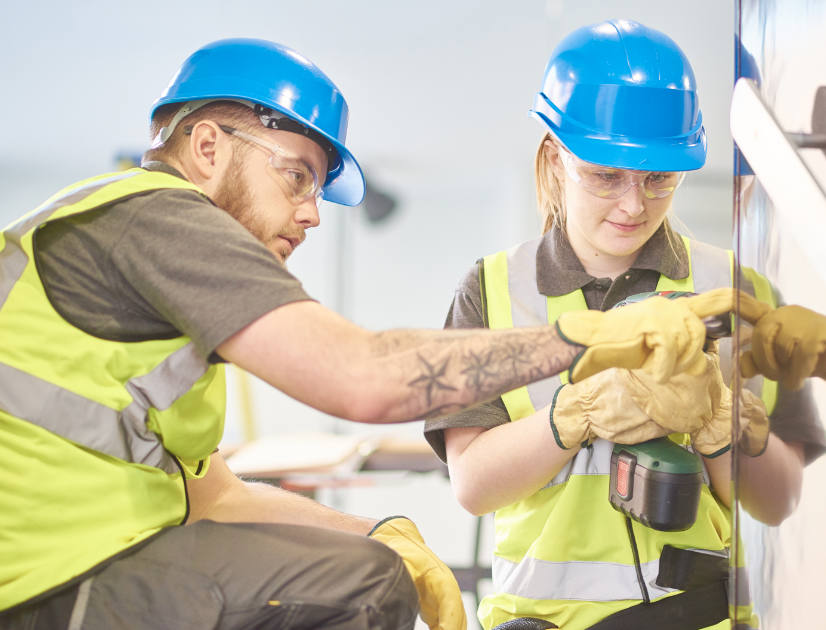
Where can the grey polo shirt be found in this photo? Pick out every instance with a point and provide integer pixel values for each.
(559, 271)
(158, 265)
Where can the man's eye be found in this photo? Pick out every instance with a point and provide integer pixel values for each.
(296, 176)
(659, 178)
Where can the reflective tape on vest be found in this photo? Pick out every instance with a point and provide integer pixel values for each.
(122, 434)
(586, 581)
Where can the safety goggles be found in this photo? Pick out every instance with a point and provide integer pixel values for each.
(300, 180)
(613, 183)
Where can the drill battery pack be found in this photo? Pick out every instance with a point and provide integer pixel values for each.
(657, 483)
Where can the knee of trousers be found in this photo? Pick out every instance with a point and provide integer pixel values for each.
(387, 584)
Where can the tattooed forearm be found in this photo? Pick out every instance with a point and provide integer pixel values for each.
(461, 369)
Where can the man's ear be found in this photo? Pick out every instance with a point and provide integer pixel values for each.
(210, 150)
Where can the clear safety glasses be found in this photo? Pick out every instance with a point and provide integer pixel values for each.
(299, 178)
(613, 183)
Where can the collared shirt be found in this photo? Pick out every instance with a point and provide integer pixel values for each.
(559, 272)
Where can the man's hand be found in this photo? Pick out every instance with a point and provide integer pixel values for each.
(440, 601)
(661, 336)
(788, 345)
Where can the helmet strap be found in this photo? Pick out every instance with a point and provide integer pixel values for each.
(268, 117)
(166, 132)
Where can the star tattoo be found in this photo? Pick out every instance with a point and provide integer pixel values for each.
(478, 370)
(431, 381)
(516, 356)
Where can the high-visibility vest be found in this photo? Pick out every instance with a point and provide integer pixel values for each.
(95, 435)
(563, 553)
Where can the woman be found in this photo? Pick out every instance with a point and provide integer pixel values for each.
(623, 124)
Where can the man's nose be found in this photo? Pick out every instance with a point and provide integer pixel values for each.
(307, 213)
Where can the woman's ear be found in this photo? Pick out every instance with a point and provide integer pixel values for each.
(551, 150)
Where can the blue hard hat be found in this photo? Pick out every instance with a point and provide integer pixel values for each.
(280, 79)
(621, 94)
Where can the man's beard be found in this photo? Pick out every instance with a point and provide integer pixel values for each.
(234, 196)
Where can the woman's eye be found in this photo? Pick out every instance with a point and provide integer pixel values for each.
(609, 177)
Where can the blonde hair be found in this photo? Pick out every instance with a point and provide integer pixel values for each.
(549, 188)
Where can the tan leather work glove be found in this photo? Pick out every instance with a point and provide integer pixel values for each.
(440, 600)
(788, 345)
(714, 438)
(685, 402)
(663, 337)
(726, 299)
(601, 406)
(702, 406)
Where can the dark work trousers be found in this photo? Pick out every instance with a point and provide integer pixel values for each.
(227, 576)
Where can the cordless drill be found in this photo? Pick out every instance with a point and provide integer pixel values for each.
(658, 482)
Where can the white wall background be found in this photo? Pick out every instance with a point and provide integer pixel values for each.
(438, 93)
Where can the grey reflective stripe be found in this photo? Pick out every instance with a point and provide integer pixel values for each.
(81, 603)
(86, 422)
(579, 581)
(12, 257)
(594, 460)
(169, 380)
(710, 267)
(529, 308)
(528, 305)
(583, 581)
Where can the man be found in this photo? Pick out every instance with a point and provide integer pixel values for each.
(120, 298)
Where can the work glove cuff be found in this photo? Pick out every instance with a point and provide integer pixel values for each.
(384, 520)
(562, 410)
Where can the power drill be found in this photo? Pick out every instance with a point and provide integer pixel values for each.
(658, 482)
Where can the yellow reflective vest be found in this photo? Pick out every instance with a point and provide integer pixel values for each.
(95, 435)
(563, 553)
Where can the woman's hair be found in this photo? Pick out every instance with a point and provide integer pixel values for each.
(549, 189)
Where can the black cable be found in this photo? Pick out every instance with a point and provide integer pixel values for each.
(645, 598)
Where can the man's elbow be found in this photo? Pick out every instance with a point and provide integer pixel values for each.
(369, 407)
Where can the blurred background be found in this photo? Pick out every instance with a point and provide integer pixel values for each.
(438, 94)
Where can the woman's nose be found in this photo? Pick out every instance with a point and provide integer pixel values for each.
(632, 201)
